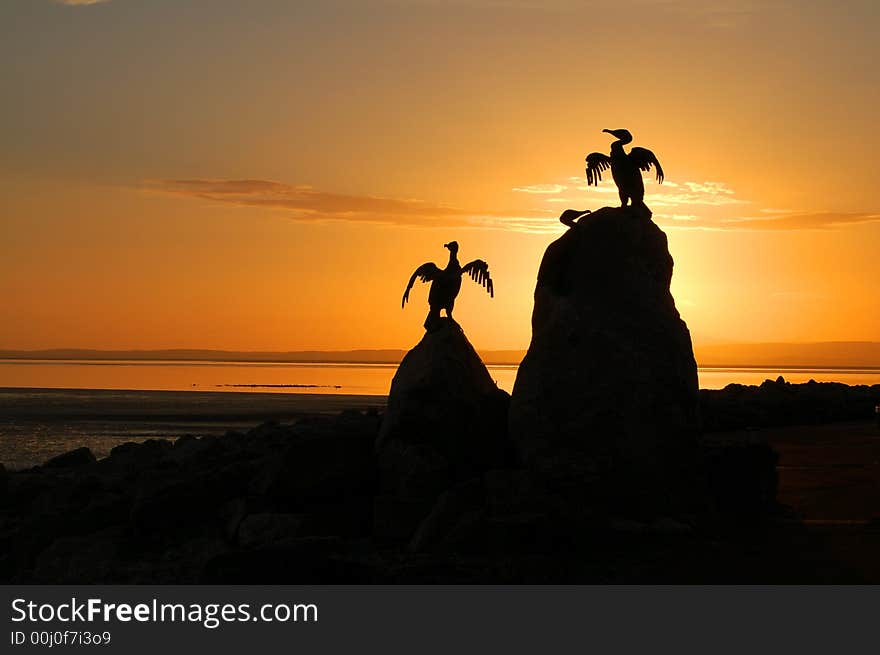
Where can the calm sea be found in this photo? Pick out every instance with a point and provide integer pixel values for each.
(48, 406)
(315, 378)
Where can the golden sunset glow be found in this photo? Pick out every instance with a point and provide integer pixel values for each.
(266, 175)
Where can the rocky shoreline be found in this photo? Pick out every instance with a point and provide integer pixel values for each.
(303, 503)
(776, 403)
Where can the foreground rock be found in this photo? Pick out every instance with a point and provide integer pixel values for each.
(180, 513)
(301, 503)
(608, 388)
(72, 459)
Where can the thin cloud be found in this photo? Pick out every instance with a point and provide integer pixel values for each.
(677, 217)
(678, 209)
(711, 194)
(668, 194)
(77, 3)
(802, 221)
(305, 203)
(708, 205)
(541, 188)
(774, 210)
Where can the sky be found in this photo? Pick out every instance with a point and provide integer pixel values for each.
(266, 175)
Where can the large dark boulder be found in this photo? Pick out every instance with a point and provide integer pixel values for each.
(446, 416)
(72, 459)
(315, 468)
(608, 388)
(743, 480)
(295, 560)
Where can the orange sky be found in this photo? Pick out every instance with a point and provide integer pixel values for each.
(266, 175)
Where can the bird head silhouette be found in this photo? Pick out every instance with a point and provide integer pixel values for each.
(453, 247)
(623, 135)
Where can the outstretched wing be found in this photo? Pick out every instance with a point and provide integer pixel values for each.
(596, 163)
(644, 159)
(426, 273)
(479, 272)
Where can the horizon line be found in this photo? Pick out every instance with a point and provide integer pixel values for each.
(500, 356)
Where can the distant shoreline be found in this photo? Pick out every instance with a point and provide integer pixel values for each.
(793, 367)
(844, 355)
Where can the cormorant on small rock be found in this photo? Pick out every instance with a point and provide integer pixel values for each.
(625, 168)
(446, 283)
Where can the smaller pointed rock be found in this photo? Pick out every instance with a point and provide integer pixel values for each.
(446, 418)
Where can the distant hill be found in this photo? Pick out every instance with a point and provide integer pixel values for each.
(389, 356)
(833, 354)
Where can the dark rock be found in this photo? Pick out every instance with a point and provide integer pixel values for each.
(349, 516)
(24, 487)
(103, 510)
(231, 514)
(182, 562)
(743, 480)
(444, 402)
(130, 460)
(463, 499)
(171, 505)
(667, 526)
(738, 406)
(413, 470)
(512, 492)
(305, 560)
(189, 450)
(318, 467)
(526, 532)
(469, 534)
(267, 528)
(505, 511)
(185, 501)
(73, 459)
(396, 518)
(142, 449)
(79, 559)
(609, 383)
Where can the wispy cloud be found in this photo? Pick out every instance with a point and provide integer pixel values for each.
(541, 188)
(305, 203)
(708, 194)
(775, 210)
(685, 205)
(676, 217)
(75, 3)
(671, 194)
(801, 221)
(707, 205)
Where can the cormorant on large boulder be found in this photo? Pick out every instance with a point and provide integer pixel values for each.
(626, 168)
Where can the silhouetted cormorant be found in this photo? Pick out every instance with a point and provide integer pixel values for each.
(625, 168)
(446, 283)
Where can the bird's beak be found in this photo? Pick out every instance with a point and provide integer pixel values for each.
(609, 131)
(445, 245)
